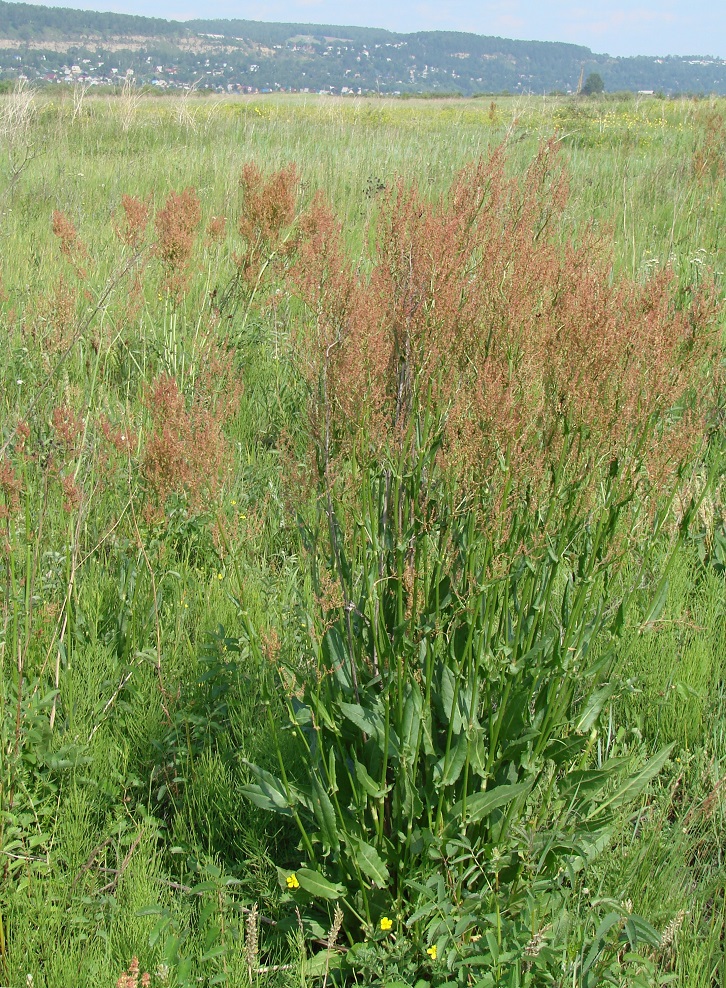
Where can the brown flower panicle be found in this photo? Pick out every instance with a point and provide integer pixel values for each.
(216, 230)
(131, 227)
(268, 212)
(71, 245)
(185, 451)
(68, 429)
(11, 487)
(476, 313)
(176, 226)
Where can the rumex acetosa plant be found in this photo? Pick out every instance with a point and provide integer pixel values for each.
(494, 419)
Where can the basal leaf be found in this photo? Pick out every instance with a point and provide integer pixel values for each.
(411, 719)
(269, 793)
(324, 814)
(371, 722)
(370, 862)
(633, 786)
(368, 784)
(448, 768)
(481, 804)
(316, 884)
(592, 709)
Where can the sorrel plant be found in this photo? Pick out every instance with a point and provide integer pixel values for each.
(498, 428)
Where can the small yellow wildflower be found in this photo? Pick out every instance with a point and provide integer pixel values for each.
(432, 951)
(233, 502)
(220, 576)
(386, 924)
(292, 882)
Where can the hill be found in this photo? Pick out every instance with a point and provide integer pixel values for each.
(57, 44)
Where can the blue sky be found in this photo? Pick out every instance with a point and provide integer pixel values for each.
(618, 27)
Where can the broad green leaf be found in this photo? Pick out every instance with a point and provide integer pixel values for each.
(301, 713)
(593, 708)
(323, 715)
(448, 768)
(269, 793)
(368, 784)
(370, 862)
(410, 801)
(316, 884)
(544, 644)
(369, 721)
(481, 804)
(588, 782)
(447, 692)
(411, 719)
(372, 723)
(646, 933)
(324, 814)
(564, 750)
(633, 786)
(336, 657)
(160, 928)
(325, 960)
(217, 951)
(607, 924)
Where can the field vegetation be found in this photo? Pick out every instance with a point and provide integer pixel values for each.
(363, 541)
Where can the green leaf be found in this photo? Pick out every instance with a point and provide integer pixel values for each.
(317, 885)
(411, 723)
(633, 786)
(656, 608)
(646, 933)
(447, 692)
(217, 951)
(368, 784)
(607, 924)
(593, 708)
(325, 960)
(481, 804)
(589, 782)
(448, 768)
(269, 794)
(370, 862)
(324, 815)
(335, 656)
(562, 751)
(372, 723)
(323, 715)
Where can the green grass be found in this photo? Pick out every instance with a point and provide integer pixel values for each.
(134, 796)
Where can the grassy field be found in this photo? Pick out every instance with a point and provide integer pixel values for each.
(363, 539)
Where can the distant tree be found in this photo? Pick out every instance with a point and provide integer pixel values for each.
(593, 85)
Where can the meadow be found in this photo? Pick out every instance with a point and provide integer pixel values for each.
(362, 525)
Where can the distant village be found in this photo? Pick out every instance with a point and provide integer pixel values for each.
(427, 63)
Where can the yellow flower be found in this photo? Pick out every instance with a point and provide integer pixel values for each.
(220, 576)
(386, 924)
(432, 951)
(292, 882)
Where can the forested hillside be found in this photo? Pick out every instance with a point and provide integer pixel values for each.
(56, 45)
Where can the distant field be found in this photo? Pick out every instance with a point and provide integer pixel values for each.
(270, 544)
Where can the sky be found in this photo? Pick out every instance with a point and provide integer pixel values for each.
(614, 27)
